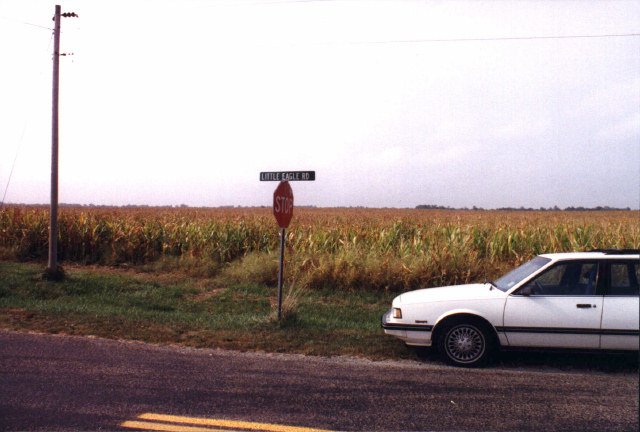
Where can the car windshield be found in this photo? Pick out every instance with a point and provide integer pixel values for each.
(515, 276)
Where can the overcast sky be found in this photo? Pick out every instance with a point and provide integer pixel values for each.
(392, 103)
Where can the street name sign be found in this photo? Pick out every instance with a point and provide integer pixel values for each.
(288, 176)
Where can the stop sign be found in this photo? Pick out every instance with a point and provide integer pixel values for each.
(283, 204)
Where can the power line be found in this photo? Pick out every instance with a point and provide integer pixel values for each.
(4, 196)
(492, 39)
(462, 40)
(25, 23)
(20, 142)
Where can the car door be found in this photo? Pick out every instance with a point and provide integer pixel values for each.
(559, 308)
(620, 321)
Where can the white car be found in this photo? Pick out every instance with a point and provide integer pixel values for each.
(586, 300)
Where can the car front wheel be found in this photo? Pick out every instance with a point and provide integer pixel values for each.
(465, 343)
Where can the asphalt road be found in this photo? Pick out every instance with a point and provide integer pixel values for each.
(50, 382)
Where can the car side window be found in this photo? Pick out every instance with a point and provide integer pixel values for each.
(624, 279)
(574, 278)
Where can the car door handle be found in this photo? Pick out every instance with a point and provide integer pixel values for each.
(585, 306)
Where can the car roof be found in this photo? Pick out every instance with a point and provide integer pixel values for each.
(598, 254)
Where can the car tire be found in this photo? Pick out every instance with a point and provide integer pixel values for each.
(466, 343)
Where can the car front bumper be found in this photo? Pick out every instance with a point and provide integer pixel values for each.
(411, 334)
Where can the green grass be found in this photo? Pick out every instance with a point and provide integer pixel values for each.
(174, 308)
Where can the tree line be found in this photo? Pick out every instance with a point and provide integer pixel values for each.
(522, 208)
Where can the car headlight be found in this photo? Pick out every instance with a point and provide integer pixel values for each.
(397, 313)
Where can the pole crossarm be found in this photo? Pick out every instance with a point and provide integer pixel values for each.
(67, 15)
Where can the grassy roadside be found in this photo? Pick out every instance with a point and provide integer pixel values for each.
(173, 308)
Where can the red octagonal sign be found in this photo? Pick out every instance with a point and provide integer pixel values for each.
(283, 204)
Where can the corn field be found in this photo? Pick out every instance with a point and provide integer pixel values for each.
(381, 249)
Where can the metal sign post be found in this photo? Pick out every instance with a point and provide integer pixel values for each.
(281, 271)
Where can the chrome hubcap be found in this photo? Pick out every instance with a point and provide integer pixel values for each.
(465, 343)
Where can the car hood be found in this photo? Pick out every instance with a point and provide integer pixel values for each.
(454, 292)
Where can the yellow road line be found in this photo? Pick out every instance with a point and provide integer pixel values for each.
(189, 424)
(148, 426)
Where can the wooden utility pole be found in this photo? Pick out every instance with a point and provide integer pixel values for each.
(52, 266)
(53, 271)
